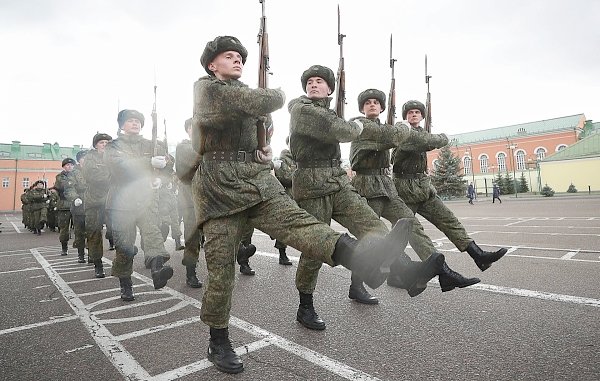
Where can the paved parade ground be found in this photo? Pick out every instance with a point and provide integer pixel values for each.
(534, 316)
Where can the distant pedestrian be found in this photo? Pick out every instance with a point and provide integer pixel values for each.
(471, 193)
(496, 194)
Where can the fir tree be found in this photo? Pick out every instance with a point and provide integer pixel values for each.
(447, 175)
(501, 183)
(523, 187)
(509, 183)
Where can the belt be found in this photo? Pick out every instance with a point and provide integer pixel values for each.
(409, 175)
(241, 156)
(319, 163)
(372, 171)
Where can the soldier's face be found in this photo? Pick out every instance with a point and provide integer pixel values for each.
(317, 88)
(414, 116)
(68, 167)
(372, 108)
(101, 145)
(227, 65)
(132, 126)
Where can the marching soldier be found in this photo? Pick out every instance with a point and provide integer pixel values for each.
(415, 188)
(370, 159)
(37, 201)
(132, 201)
(75, 193)
(96, 176)
(63, 180)
(167, 205)
(52, 213)
(236, 190)
(26, 209)
(284, 171)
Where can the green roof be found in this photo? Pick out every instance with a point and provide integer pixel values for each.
(588, 147)
(47, 151)
(518, 130)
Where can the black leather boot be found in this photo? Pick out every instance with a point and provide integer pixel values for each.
(306, 315)
(359, 293)
(65, 248)
(220, 352)
(126, 289)
(80, 255)
(98, 268)
(160, 273)
(178, 245)
(243, 255)
(484, 259)
(449, 279)
(90, 261)
(370, 258)
(191, 277)
(413, 276)
(283, 258)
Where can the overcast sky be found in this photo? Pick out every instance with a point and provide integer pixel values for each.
(68, 66)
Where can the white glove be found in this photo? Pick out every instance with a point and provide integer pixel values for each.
(156, 183)
(47, 201)
(170, 186)
(158, 162)
(45, 195)
(263, 155)
(277, 164)
(54, 208)
(77, 202)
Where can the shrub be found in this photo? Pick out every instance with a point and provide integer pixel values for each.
(572, 189)
(547, 191)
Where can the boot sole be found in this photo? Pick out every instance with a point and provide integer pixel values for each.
(432, 267)
(164, 274)
(486, 265)
(463, 285)
(310, 326)
(225, 370)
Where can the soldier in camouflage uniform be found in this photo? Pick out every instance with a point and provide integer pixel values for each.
(63, 180)
(96, 175)
(38, 205)
(132, 201)
(187, 163)
(370, 159)
(167, 205)
(284, 171)
(415, 188)
(52, 213)
(75, 193)
(236, 190)
(26, 209)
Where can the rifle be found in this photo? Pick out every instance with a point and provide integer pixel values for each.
(263, 72)
(428, 102)
(165, 138)
(154, 126)
(341, 73)
(391, 115)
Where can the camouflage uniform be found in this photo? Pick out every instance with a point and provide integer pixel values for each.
(75, 190)
(415, 188)
(370, 159)
(320, 185)
(63, 180)
(187, 162)
(96, 175)
(26, 208)
(235, 192)
(52, 212)
(285, 174)
(37, 198)
(167, 208)
(132, 202)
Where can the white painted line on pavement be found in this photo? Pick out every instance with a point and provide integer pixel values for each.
(16, 228)
(112, 349)
(44, 286)
(106, 291)
(132, 305)
(519, 221)
(40, 324)
(158, 328)
(80, 348)
(21, 270)
(570, 255)
(128, 319)
(537, 294)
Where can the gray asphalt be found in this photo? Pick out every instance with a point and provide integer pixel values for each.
(534, 316)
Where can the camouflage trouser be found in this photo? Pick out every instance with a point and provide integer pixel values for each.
(280, 245)
(349, 209)
(64, 224)
(171, 218)
(109, 233)
(394, 209)
(420, 196)
(52, 219)
(94, 221)
(278, 217)
(79, 230)
(191, 235)
(247, 235)
(124, 223)
(38, 218)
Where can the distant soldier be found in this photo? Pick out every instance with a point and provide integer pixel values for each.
(415, 188)
(96, 175)
(26, 209)
(75, 193)
(52, 213)
(187, 163)
(132, 201)
(37, 199)
(63, 181)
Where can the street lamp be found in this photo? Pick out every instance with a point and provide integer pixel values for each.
(472, 170)
(512, 147)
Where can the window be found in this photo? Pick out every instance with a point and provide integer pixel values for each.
(467, 165)
(540, 153)
(483, 163)
(521, 131)
(520, 156)
(561, 147)
(501, 162)
(4, 154)
(5, 182)
(25, 182)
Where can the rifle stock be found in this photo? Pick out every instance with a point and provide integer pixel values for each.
(428, 102)
(341, 73)
(263, 72)
(391, 115)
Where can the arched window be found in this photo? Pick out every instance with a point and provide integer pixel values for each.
(561, 147)
(501, 162)
(520, 156)
(483, 163)
(540, 153)
(467, 165)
